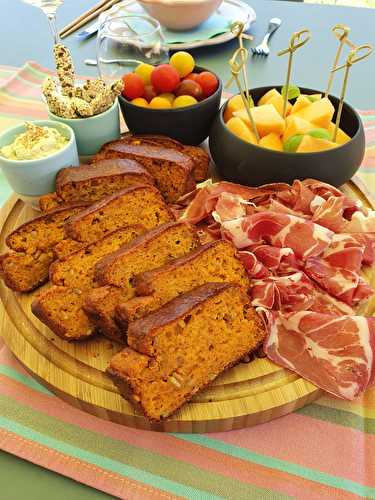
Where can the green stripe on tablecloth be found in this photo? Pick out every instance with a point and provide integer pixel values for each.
(163, 472)
(339, 417)
(101, 461)
(282, 465)
(24, 379)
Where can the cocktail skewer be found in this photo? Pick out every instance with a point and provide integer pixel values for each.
(354, 56)
(238, 28)
(297, 40)
(236, 68)
(341, 32)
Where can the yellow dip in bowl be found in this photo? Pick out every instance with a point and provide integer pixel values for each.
(35, 143)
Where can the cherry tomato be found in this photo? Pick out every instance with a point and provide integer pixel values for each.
(160, 103)
(149, 93)
(189, 87)
(165, 78)
(133, 86)
(140, 101)
(192, 76)
(144, 71)
(184, 100)
(183, 62)
(208, 82)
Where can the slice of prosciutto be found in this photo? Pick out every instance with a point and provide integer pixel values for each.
(333, 352)
(343, 284)
(281, 230)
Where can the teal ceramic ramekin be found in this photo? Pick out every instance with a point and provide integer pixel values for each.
(92, 132)
(37, 177)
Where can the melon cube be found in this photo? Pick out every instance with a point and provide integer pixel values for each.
(296, 125)
(267, 96)
(301, 102)
(234, 104)
(319, 112)
(341, 137)
(266, 118)
(313, 145)
(271, 141)
(239, 128)
(278, 102)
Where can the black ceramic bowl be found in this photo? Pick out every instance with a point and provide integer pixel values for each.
(244, 163)
(189, 125)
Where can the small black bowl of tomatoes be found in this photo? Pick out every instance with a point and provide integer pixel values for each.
(179, 99)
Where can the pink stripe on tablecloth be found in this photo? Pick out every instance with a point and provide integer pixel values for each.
(83, 472)
(170, 446)
(17, 86)
(301, 442)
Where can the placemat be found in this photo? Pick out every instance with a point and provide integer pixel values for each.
(325, 450)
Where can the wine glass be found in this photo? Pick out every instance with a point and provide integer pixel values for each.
(49, 7)
(124, 42)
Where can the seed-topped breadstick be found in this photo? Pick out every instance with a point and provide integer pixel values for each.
(65, 68)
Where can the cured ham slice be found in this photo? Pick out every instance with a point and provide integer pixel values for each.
(207, 194)
(334, 353)
(281, 230)
(254, 268)
(228, 207)
(346, 252)
(368, 242)
(276, 259)
(287, 293)
(330, 214)
(343, 284)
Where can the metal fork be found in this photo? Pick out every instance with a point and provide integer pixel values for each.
(263, 49)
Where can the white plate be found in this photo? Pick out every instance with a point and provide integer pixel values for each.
(233, 10)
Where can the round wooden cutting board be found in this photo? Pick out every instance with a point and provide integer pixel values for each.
(248, 394)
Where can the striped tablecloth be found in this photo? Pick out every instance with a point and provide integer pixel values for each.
(325, 450)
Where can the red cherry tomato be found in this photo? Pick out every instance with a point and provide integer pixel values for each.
(149, 93)
(192, 76)
(165, 78)
(208, 82)
(133, 86)
(189, 87)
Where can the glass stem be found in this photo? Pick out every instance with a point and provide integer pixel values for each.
(52, 25)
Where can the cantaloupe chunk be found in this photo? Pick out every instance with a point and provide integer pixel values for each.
(341, 137)
(296, 125)
(301, 102)
(313, 145)
(278, 102)
(319, 112)
(239, 128)
(267, 96)
(266, 118)
(271, 141)
(234, 104)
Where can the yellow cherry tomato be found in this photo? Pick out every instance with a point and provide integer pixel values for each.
(184, 100)
(144, 71)
(183, 62)
(139, 101)
(169, 96)
(160, 103)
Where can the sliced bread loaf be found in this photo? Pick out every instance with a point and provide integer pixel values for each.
(142, 204)
(213, 262)
(179, 349)
(148, 251)
(61, 308)
(199, 157)
(172, 169)
(86, 183)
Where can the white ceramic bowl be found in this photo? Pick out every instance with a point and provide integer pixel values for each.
(32, 178)
(180, 15)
